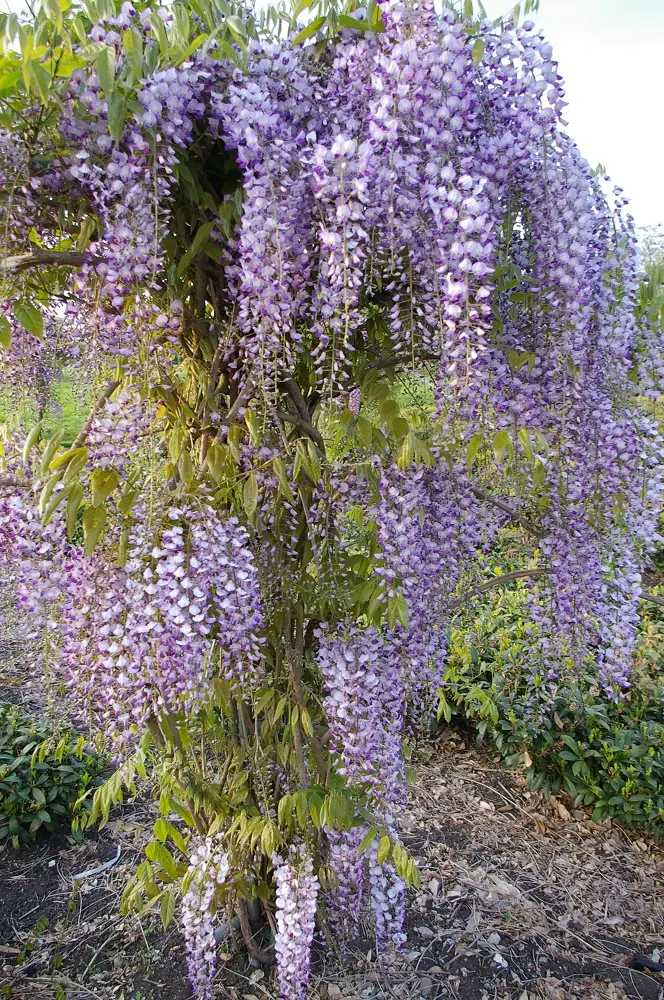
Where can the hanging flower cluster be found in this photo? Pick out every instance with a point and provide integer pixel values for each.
(297, 895)
(345, 900)
(116, 433)
(208, 869)
(364, 708)
(364, 705)
(430, 529)
(263, 117)
(190, 610)
(147, 638)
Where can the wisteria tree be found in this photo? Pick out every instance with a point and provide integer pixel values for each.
(350, 300)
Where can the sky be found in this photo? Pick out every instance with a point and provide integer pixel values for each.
(611, 56)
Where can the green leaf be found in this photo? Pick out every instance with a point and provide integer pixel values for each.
(52, 446)
(384, 849)
(444, 709)
(473, 448)
(526, 444)
(310, 30)
(191, 48)
(279, 470)
(159, 31)
(367, 840)
(285, 811)
(237, 26)
(74, 498)
(160, 829)
(5, 333)
(250, 495)
(116, 115)
(103, 482)
(160, 855)
(76, 465)
(167, 909)
(94, 520)
(306, 722)
(182, 21)
(313, 455)
(10, 74)
(29, 316)
(175, 442)
(344, 21)
(364, 430)
(43, 80)
(397, 610)
(31, 440)
(132, 43)
(196, 245)
(478, 50)
(501, 442)
(539, 473)
(66, 457)
(91, 51)
(279, 710)
(413, 874)
(105, 67)
(301, 807)
(50, 508)
(376, 19)
(79, 30)
(54, 12)
(185, 468)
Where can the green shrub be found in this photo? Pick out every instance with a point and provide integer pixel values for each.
(41, 778)
(602, 754)
(605, 755)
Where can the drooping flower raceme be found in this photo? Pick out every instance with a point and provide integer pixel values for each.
(208, 869)
(297, 894)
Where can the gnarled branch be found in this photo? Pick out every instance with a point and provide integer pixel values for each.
(99, 403)
(45, 258)
(304, 426)
(524, 574)
(264, 957)
(498, 581)
(506, 509)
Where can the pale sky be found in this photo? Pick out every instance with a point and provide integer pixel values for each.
(611, 56)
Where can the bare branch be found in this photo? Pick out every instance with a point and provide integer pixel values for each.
(304, 423)
(99, 403)
(524, 574)
(306, 427)
(510, 511)
(295, 394)
(45, 258)
(652, 598)
(15, 483)
(264, 957)
(517, 574)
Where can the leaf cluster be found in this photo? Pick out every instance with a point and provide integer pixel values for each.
(42, 777)
(606, 755)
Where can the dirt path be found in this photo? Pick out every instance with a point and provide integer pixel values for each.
(519, 900)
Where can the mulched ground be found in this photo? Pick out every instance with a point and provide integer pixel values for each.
(520, 900)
